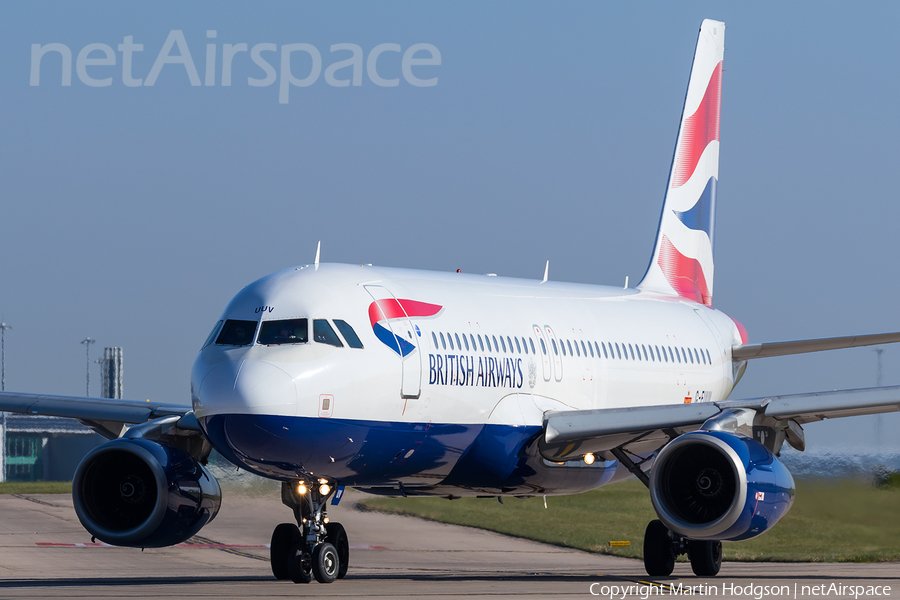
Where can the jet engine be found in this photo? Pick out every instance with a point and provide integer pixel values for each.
(143, 494)
(713, 485)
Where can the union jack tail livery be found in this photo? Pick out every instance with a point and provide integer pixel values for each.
(682, 261)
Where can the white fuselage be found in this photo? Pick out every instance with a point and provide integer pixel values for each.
(486, 351)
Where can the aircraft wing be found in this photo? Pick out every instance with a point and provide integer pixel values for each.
(569, 435)
(767, 349)
(105, 416)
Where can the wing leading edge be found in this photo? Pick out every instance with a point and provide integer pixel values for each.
(767, 349)
(569, 435)
(105, 416)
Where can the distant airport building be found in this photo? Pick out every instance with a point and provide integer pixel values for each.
(111, 373)
(50, 448)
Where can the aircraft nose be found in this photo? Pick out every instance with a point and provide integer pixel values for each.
(248, 387)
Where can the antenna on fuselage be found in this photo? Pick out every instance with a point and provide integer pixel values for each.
(546, 272)
(318, 252)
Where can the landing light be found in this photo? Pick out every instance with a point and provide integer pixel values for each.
(301, 489)
(324, 489)
(588, 459)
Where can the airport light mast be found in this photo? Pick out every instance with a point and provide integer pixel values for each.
(87, 350)
(3, 328)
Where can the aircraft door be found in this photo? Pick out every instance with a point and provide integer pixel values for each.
(555, 349)
(402, 338)
(544, 349)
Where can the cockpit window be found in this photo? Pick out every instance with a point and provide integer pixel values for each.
(288, 331)
(236, 333)
(352, 339)
(212, 334)
(324, 334)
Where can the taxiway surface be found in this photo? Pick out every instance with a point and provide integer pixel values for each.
(45, 553)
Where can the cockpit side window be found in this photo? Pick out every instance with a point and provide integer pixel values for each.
(287, 331)
(352, 339)
(236, 333)
(324, 334)
(212, 334)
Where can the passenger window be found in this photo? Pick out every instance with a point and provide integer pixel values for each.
(518, 346)
(591, 348)
(555, 351)
(658, 357)
(480, 343)
(503, 342)
(450, 340)
(458, 345)
(509, 342)
(434, 337)
(236, 333)
(697, 356)
(690, 355)
(683, 355)
(631, 350)
(474, 347)
(677, 355)
(443, 343)
(352, 339)
(487, 341)
(543, 346)
(324, 334)
(708, 357)
(496, 345)
(618, 353)
(531, 343)
(465, 339)
(212, 334)
(605, 355)
(569, 344)
(671, 356)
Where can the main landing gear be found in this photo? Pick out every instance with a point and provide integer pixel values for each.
(314, 547)
(661, 546)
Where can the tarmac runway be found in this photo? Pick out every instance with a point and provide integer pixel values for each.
(45, 553)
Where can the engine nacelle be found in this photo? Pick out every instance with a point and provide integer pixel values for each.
(712, 485)
(143, 494)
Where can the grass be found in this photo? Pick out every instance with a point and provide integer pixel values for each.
(36, 487)
(831, 521)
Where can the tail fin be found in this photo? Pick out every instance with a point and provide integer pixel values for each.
(682, 261)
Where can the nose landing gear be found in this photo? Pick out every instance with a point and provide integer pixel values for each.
(313, 547)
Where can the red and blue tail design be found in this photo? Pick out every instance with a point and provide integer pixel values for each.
(386, 310)
(682, 261)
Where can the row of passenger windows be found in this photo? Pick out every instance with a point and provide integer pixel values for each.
(235, 332)
(610, 350)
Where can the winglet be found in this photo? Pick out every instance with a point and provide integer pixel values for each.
(546, 272)
(318, 252)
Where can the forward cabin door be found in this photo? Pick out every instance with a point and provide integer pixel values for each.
(405, 340)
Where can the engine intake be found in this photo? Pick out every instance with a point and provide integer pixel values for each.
(712, 485)
(143, 494)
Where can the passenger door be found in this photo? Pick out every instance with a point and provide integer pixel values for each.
(402, 329)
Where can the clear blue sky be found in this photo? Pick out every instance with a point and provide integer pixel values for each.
(133, 214)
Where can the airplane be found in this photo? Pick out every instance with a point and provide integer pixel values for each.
(403, 382)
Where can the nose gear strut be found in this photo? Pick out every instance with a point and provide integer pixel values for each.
(314, 547)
